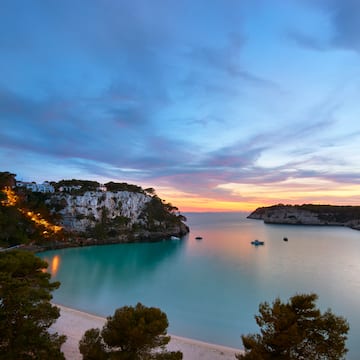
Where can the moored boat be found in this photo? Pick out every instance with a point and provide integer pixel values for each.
(257, 242)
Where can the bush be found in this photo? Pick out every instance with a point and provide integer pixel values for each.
(132, 333)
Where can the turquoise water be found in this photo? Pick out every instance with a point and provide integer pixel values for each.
(211, 288)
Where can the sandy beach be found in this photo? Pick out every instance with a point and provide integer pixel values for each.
(74, 323)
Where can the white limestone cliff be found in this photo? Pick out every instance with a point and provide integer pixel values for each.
(120, 216)
(83, 211)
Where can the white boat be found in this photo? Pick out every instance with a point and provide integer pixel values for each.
(174, 238)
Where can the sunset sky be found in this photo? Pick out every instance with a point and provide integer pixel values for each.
(220, 105)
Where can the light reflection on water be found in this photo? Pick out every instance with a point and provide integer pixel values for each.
(211, 288)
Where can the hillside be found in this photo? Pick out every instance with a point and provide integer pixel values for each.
(309, 214)
(80, 212)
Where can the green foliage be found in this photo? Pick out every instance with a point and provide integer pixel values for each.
(296, 330)
(36, 202)
(83, 186)
(25, 309)
(157, 212)
(150, 191)
(108, 227)
(115, 187)
(92, 346)
(333, 213)
(6, 179)
(329, 213)
(15, 228)
(132, 333)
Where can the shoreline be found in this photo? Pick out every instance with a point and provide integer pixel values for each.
(73, 323)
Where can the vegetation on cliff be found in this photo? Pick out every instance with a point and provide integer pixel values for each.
(113, 212)
(24, 216)
(311, 214)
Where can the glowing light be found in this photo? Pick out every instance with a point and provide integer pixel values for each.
(12, 199)
(55, 263)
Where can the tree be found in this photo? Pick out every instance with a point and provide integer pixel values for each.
(132, 333)
(7, 179)
(15, 228)
(25, 309)
(296, 330)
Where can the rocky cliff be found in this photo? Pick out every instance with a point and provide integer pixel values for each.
(309, 214)
(117, 216)
(81, 212)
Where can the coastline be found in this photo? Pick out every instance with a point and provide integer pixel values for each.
(73, 323)
(309, 214)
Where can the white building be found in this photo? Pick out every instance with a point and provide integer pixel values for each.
(45, 187)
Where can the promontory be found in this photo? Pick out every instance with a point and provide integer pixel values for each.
(83, 212)
(309, 214)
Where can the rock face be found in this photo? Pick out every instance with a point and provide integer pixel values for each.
(117, 216)
(309, 215)
(81, 212)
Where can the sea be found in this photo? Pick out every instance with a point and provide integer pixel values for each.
(211, 288)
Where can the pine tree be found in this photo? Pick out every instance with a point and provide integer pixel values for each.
(25, 309)
(132, 333)
(296, 330)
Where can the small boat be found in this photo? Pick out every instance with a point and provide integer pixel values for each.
(285, 239)
(257, 242)
(198, 238)
(174, 238)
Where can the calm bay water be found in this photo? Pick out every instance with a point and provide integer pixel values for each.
(210, 289)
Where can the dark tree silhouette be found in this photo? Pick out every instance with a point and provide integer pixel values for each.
(296, 330)
(132, 333)
(25, 309)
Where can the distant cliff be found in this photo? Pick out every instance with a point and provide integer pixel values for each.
(309, 214)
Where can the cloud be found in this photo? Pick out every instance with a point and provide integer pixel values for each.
(345, 24)
(225, 60)
(93, 133)
(239, 162)
(307, 41)
(346, 20)
(172, 93)
(113, 137)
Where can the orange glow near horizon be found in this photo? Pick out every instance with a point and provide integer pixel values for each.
(214, 205)
(252, 196)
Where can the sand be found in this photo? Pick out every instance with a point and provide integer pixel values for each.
(74, 323)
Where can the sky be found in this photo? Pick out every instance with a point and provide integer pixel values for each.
(220, 105)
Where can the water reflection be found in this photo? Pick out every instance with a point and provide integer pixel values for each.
(55, 263)
(101, 273)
